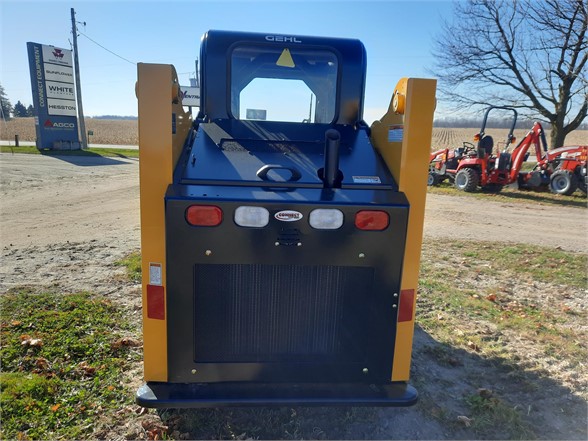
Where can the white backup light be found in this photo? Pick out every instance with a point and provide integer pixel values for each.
(326, 219)
(251, 216)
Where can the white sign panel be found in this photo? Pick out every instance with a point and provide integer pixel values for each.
(55, 72)
(61, 107)
(190, 96)
(59, 81)
(55, 55)
(60, 90)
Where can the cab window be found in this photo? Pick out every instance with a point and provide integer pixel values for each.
(283, 84)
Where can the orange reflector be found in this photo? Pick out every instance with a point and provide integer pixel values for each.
(405, 310)
(477, 137)
(513, 139)
(371, 220)
(204, 215)
(155, 302)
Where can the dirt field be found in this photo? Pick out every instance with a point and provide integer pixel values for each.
(125, 133)
(64, 221)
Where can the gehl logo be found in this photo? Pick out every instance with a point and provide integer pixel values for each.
(282, 39)
(58, 125)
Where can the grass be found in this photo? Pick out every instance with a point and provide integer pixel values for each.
(577, 199)
(464, 302)
(501, 304)
(132, 263)
(91, 152)
(542, 264)
(490, 413)
(63, 361)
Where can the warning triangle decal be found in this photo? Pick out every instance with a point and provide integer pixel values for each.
(285, 59)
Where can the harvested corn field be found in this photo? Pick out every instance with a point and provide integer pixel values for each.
(452, 138)
(125, 132)
(105, 131)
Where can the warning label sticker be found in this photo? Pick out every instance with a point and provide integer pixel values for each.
(395, 133)
(366, 180)
(155, 274)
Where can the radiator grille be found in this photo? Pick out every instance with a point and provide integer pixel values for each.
(262, 313)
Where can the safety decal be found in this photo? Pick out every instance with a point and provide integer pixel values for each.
(366, 180)
(155, 274)
(395, 133)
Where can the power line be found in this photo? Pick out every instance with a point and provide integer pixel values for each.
(106, 49)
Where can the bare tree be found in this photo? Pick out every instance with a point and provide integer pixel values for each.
(527, 54)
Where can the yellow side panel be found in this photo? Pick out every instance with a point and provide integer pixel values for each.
(403, 138)
(159, 150)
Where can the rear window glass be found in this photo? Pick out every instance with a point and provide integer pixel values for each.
(283, 84)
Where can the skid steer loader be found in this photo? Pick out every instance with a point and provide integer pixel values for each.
(280, 233)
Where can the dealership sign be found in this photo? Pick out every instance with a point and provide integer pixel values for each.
(190, 96)
(54, 97)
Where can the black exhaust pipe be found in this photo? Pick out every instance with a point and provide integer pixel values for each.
(331, 170)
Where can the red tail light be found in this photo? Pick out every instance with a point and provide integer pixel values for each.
(371, 220)
(204, 215)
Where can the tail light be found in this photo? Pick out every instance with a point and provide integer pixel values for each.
(204, 215)
(372, 220)
(251, 216)
(326, 219)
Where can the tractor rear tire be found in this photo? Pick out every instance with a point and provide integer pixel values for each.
(433, 179)
(467, 180)
(563, 182)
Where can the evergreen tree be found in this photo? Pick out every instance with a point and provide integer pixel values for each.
(19, 110)
(30, 110)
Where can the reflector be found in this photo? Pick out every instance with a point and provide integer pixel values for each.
(326, 219)
(204, 215)
(251, 216)
(371, 220)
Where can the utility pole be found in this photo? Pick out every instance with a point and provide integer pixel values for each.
(81, 120)
(197, 74)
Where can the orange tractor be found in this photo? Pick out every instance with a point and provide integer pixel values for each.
(562, 170)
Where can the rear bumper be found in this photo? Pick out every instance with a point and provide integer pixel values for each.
(191, 395)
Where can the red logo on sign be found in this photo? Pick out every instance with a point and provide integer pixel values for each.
(48, 124)
(58, 54)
